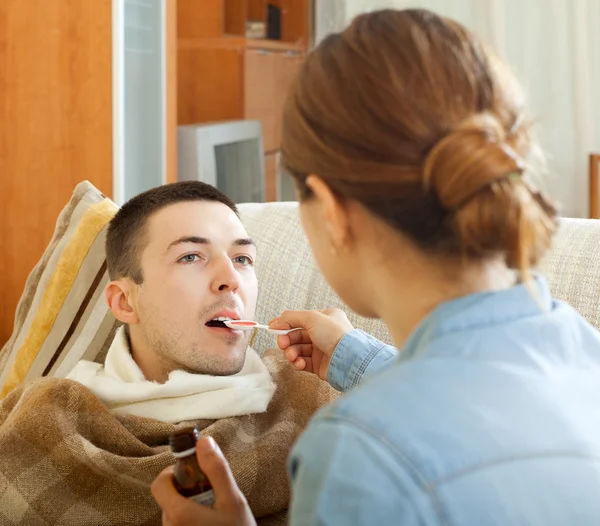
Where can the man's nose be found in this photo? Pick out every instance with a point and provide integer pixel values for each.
(226, 278)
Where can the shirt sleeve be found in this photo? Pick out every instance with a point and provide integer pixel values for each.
(357, 356)
(341, 474)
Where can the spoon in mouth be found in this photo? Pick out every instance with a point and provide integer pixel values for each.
(249, 325)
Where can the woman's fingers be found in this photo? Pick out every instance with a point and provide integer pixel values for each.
(216, 468)
(230, 507)
(177, 510)
(296, 351)
(293, 338)
(292, 319)
(164, 491)
(303, 364)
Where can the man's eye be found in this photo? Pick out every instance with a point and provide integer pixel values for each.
(243, 260)
(190, 258)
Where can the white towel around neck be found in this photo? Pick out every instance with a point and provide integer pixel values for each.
(122, 387)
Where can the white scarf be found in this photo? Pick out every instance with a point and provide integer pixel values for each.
(122, 387)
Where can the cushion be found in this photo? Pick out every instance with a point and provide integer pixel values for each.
(573, 267)
(62, 316)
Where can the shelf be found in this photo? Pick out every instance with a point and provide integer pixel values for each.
(230, 42)
(276, 45)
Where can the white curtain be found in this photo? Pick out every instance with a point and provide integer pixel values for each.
(554, 48)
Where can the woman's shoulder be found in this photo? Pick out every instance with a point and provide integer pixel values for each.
(391, 408)
(345, 465)
(425, 414)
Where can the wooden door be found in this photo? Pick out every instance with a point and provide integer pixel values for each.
(55, 124)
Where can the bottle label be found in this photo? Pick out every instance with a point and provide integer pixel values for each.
(207, 498)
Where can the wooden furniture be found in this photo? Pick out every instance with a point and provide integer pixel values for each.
(593, 182)
(222, 75)
(56, 122)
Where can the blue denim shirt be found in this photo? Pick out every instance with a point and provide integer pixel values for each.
(490, 415)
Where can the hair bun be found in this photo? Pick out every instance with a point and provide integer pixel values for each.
(470, 158)
(469, 171)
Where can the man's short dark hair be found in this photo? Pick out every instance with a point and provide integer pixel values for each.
(125, 238)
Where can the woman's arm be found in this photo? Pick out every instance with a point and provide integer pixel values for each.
(357, 356)
(331, 348)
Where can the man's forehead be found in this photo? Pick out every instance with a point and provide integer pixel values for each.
(211, 220)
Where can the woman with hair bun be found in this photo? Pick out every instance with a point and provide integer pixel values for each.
(412, 154)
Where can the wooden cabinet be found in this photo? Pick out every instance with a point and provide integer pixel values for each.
(268, 75)
(209, 84)
(222, 75)
(228, 83)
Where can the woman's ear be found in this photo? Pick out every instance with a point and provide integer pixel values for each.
(335, 213)
(120, 302)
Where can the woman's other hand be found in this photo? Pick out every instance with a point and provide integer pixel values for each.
(311, 348)
(230, 507)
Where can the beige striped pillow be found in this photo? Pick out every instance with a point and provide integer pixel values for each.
(62, 316)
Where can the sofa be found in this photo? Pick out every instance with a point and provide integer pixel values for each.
(62, 316)
(289, 278)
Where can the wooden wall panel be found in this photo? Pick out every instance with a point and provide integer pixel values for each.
(200, 18)
(257, 10)
(271, 177)
(209, 84)
(268, 77)
(236, 13)
(295, 21)
(55, 124)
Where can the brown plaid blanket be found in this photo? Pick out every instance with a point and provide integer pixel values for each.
(65, 460)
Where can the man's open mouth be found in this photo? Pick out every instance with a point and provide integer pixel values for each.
(218, 322)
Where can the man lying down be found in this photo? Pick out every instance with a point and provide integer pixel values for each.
(84, 450)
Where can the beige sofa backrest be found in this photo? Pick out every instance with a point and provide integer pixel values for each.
(573, 267)
(289, 278)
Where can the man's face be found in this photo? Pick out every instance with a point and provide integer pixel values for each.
(198, 265)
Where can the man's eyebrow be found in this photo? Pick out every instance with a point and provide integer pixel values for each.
(243, 242)
(188, 239)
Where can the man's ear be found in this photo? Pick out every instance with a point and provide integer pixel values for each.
(119, 300)
(334, 212)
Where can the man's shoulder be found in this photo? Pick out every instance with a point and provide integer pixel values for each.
(48, 394)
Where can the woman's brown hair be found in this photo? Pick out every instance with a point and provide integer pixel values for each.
(409, 114)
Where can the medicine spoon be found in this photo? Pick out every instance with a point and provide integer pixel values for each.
(249, 325)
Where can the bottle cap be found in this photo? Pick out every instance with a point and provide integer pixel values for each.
(184, 439)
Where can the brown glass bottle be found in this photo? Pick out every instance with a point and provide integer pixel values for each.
(188, 478)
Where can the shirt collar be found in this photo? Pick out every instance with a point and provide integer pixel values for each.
(480, 310)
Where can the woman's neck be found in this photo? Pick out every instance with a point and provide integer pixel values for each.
(404, 302)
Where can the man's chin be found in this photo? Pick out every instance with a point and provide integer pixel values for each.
(230, 371)
(225, 361)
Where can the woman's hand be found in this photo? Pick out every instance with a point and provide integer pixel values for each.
(311, 349)
(230, 507)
